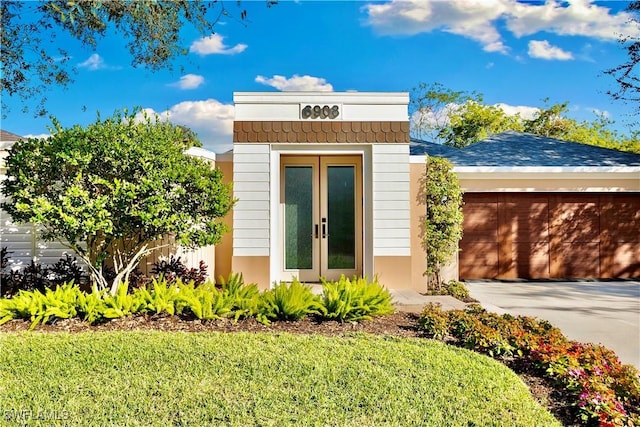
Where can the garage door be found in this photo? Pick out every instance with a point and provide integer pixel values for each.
(550, 235)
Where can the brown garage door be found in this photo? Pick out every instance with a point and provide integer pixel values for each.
(550, 235)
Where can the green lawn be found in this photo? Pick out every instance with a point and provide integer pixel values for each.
(241, 379)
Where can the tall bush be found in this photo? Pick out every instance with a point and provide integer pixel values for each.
(443, 218)
(110, 189)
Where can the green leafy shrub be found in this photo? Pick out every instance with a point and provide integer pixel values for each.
(288, 302)
(40, 307)
(124, 178)
(161, 296)
(442, 195)
(246, 298)
(604, 391)
(354, 300)
(434, 321)
(456, 289)
(205, 302)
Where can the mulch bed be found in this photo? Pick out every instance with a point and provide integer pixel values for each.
(398, 324)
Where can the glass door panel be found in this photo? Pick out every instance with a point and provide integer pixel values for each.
(341, 211)
(298, 217)
(341, 217)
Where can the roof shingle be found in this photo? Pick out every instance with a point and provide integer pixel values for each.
(8, 136)
(509, 149)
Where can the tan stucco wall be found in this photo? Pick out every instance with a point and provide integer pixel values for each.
(254, 269)
(418, 209)
(394, 272)
(506, 184)
(224, 249)
(418, 255)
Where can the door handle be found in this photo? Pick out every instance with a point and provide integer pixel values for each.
(316, 230)
(324, 230)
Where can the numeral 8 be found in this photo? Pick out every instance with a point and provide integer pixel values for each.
(309, 112)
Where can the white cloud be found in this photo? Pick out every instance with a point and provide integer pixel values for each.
(467, 18)
(577, 18)
(544, 50)
(585, 53)
(210, 119)
(214, 45)
(37, 136)
(296, 83)
(425, 123)
(479, 19)
(93, 63)
(525, 111)
(601, 113)
(189, 81)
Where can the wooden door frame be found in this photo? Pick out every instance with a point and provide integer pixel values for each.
(320, 161)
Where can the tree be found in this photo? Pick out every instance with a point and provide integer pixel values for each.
(443, 219)
(474, 121)
(31, 62)
(430, 106)
(464, 123)
(108, 191)
(626, 75)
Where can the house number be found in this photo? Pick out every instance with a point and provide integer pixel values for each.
(320, 112)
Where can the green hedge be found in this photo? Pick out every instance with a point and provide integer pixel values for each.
(345, 300)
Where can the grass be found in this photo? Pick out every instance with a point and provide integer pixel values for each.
(242, 379)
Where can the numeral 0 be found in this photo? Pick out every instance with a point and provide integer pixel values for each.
(320, 112)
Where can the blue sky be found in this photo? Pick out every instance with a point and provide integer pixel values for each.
(515, 53)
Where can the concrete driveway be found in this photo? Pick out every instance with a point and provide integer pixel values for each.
(585, 311)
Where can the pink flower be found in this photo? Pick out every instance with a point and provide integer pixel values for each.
(575, 373)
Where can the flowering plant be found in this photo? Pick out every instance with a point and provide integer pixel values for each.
(603, 391)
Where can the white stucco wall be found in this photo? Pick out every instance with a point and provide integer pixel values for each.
(354, 106)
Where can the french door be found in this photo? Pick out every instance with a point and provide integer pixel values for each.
(321, 217)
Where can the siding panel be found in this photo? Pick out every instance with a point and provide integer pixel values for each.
(251, 183)
(391, 200)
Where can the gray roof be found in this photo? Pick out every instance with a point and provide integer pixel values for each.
(8, 136)
(418, 147)
(523, 149)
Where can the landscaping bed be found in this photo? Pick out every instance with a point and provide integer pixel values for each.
(397, 324)
(580, 384)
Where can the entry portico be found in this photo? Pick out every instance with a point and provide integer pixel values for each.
(323, 187)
